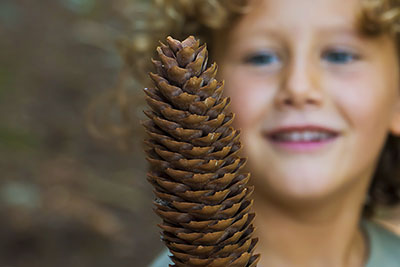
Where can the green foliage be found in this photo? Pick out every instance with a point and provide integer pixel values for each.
(13, 139)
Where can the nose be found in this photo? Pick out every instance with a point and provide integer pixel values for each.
(299, 86)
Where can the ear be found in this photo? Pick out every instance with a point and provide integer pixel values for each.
(395, 122)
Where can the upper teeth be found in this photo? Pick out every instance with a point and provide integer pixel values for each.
(297, 136)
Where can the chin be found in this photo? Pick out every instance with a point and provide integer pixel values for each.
(298, 187)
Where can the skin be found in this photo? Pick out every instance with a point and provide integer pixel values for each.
(291, 62)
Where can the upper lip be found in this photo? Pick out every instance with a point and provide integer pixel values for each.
(299, 128)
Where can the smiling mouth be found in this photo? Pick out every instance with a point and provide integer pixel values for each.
(301, 138)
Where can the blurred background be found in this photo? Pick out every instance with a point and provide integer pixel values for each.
(66, 198)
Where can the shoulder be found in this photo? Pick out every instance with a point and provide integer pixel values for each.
(384, 245)
(162, 260)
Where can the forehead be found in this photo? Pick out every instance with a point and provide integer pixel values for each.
(297, 15)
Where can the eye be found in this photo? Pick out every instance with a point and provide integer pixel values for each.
(339, 56)
(263, 59)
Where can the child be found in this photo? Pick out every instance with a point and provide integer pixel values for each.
(315, 85)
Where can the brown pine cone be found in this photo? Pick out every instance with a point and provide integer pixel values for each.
(201, 195)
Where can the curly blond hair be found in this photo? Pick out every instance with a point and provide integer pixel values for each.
(201, 18)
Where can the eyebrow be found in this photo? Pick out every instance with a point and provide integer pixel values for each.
(341, 28)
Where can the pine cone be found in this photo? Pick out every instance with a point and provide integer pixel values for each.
(201, 195)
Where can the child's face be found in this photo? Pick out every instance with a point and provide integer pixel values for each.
(291, 63)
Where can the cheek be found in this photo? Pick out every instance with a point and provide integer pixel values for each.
(249, 99)
(365, 101)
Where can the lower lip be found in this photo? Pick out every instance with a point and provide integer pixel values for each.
(302, 146)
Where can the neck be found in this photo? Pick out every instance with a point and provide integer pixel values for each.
(327, 234)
